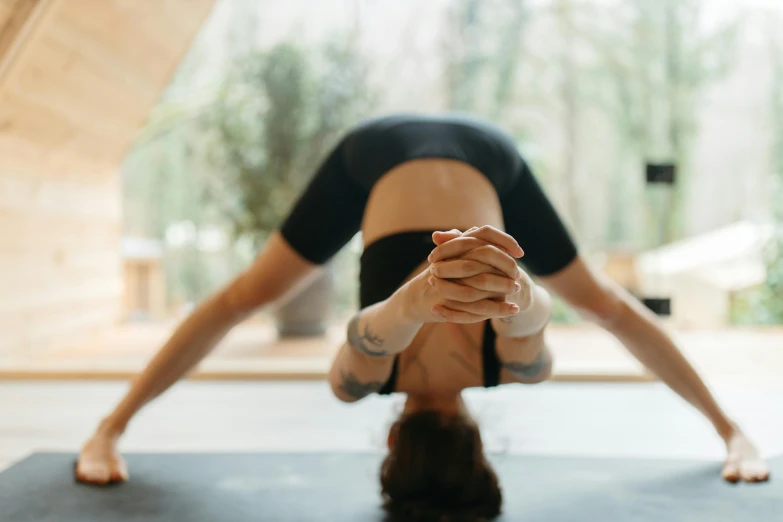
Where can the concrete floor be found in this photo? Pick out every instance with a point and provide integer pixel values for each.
(610, 420)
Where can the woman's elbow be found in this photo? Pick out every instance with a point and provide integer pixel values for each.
(544, 372)
(338, 392)
(338, 387)
(349, 380)
(533, 372)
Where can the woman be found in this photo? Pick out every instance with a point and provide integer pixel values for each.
(441, 310)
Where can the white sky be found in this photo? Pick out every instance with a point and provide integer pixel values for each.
(718, 4)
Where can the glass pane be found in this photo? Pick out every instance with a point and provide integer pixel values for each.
(593, 92)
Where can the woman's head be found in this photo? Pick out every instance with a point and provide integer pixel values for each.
(436, 470)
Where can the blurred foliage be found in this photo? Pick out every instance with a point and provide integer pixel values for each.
(764, 305)
(655, 61)
(644, 67)
(644, 64)
(244, 124)
(482, 52)
(237, 159)
(562, 313)
(277, 116)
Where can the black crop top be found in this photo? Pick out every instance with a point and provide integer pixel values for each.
(329, 212)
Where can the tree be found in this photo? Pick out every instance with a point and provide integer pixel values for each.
(570, 100)
(507, 58)
(772, 294)
(764, 305)
(658, 62)
(465, 56)
(276, 117)
(235, 156)
(482, 51)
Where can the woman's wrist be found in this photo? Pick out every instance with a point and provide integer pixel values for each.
(413, 301)
(385, 328)
(532, 318)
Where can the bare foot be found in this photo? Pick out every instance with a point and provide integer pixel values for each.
(100, 462)
(743, 461)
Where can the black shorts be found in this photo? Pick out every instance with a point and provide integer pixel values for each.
(329, 212)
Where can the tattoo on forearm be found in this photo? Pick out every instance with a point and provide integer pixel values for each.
(532, 369)
(465, 364)
(367, 342)
(356, 389)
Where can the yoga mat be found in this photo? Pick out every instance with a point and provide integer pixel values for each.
(306, 487)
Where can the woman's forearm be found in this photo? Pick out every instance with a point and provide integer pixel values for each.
(374, 336)
(383, 329)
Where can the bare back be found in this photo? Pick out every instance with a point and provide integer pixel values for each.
(434, 194)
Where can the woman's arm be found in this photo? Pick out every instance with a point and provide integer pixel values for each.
(535, 309)
(520, 345)
(379, 332)
(605, 302)
(374, 336)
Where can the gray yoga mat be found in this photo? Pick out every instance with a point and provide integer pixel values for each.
(344, 488)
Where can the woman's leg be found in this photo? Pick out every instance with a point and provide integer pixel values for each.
(326, 216)
(598, 298)
(602, 301)
(277, 271)
(552, 256)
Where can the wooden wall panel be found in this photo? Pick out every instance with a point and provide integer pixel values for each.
(71, 103)
(35, 162)
(60, 269)
(55, 327)
(30, 197)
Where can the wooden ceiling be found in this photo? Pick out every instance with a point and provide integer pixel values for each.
(13, 16)
(81, 76)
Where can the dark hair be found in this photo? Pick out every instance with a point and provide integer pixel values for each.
(436, 471)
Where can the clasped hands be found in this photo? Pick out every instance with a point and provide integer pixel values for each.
(473, 276)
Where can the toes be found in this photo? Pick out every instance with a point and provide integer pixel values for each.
(731, 472)
(119, 472)
(93, 474)
(754, 471)
(103, 471)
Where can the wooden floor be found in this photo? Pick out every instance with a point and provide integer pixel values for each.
(253, 352)
(605, 420)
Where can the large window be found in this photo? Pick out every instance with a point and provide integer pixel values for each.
(593, 92)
